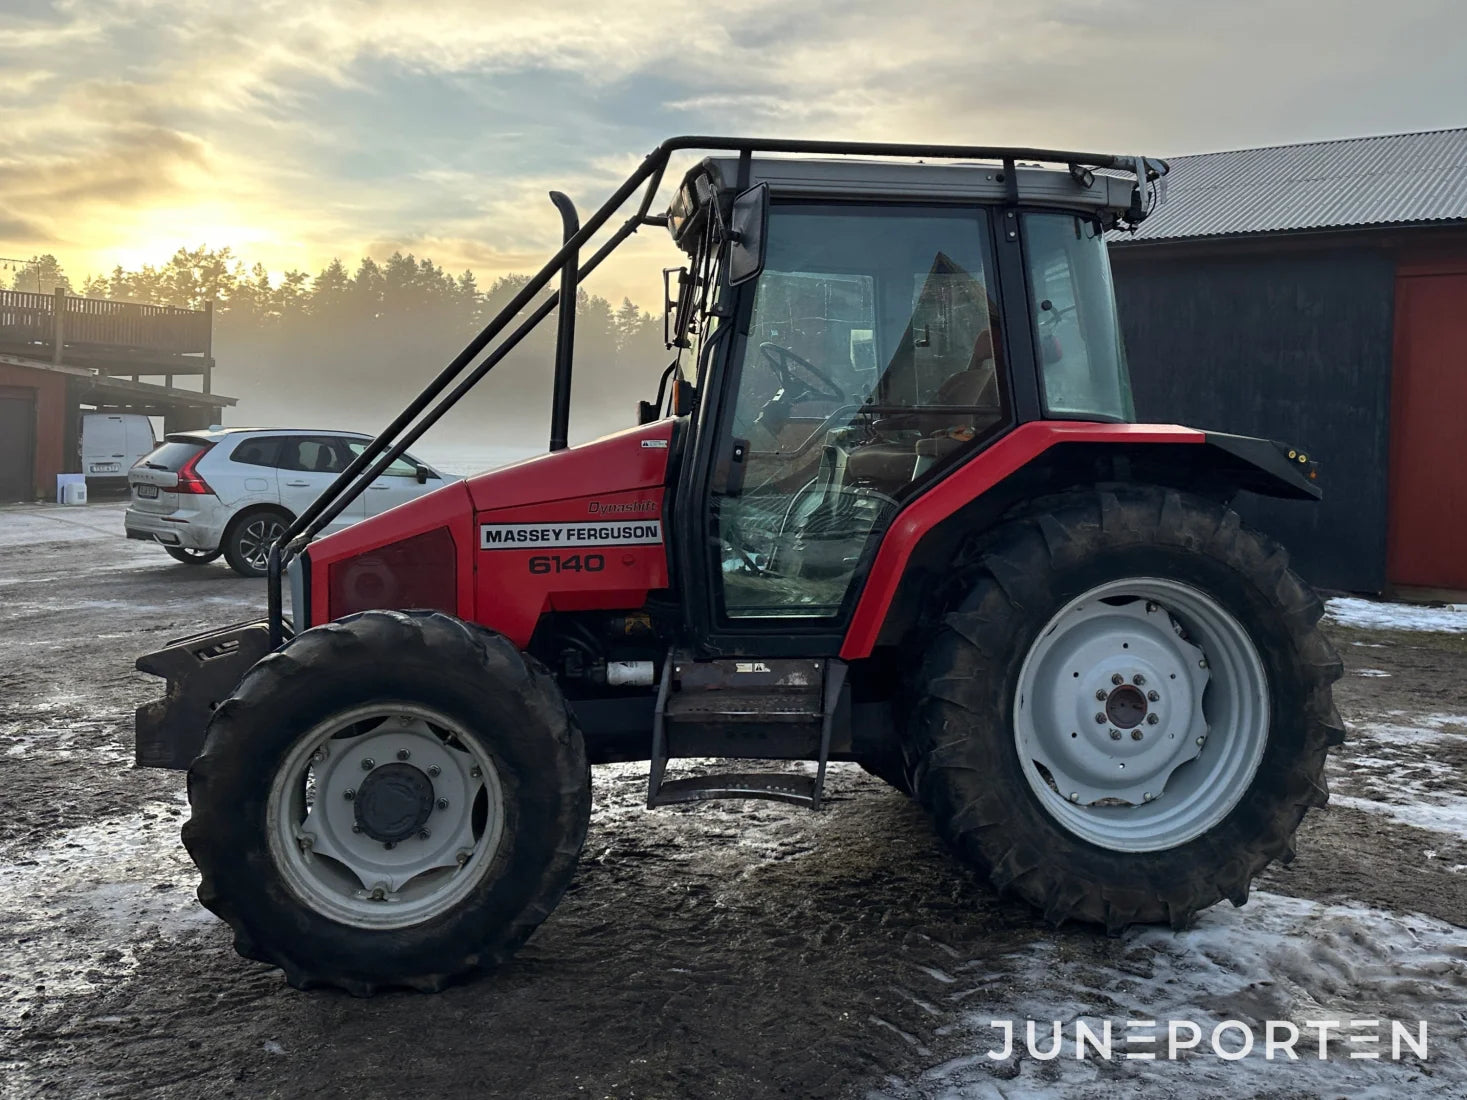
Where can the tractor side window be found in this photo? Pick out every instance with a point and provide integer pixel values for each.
(870, 359)
(1075, 329)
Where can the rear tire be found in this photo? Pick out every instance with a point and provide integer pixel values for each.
(248, 538)
(437, 707)
(189, 556)
(1073, 577)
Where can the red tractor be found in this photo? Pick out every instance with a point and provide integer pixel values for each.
(890, 506)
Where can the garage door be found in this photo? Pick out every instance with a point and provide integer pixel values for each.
(17, 447)
(1428, 513)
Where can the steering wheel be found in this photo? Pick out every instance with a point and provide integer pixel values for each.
(779, 359)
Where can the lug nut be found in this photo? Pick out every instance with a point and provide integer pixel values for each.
(1138, 679)
(1117, 678)
(348, 794)
(368, 764)
(1074, 796)
(1200, 740)
(1152, 607)
(1147, 796)
(356, 828)
(1153, 695)
(443, 803)
(403, 754)
(424, 834)
(1152, 719)
(1202, 663)
(463, 857)
(474, 772)
(307, 843)
(434, 770)
(1100, 719)
(1115, 735)
(319, 755)
(1100, 694)
(378, 893)
(1135, 735)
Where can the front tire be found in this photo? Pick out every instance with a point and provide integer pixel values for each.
(1139, 629)
(394, 799)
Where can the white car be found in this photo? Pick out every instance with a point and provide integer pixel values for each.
(234, 491)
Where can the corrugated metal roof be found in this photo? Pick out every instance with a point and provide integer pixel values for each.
(1399, 178)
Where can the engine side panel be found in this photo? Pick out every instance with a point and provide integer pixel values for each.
(597, 552)
(577, 529)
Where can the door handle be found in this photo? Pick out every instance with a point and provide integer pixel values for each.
(379, 487)
(299, 484)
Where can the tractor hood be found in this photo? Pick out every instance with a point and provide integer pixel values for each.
(635, 458)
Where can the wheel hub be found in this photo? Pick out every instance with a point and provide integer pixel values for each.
(1125, 707)
(394, 802)
(352, 836)
(1141, 714)
(1102, 664)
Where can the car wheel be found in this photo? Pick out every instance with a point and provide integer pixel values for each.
(249, 538)
(189, 556)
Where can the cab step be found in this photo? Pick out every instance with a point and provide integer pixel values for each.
(763, 709)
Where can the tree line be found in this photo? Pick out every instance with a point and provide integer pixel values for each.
(349, 347)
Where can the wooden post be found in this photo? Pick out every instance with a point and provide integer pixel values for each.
(209, 345)
(58, 326)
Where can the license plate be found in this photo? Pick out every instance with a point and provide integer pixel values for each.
(149, 491)
(105, 467)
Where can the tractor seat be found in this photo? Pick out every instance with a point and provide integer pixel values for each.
(891, 463)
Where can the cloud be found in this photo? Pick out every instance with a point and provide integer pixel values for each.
(301, 129)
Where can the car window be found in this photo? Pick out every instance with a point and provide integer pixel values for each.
(314, 454)
(258, 452)
(173, 454)
(406, 466)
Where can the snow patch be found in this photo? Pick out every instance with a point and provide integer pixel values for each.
(1373, 615)
(1279, 958)
(1440, 813)
(128, 875)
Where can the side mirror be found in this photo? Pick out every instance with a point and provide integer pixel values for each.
(747, 225)
(424, 474)
(646, 412)
(677, 306)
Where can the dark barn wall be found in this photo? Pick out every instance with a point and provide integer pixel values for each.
(1289, 345)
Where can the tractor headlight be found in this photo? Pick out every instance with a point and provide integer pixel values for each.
(418, 572)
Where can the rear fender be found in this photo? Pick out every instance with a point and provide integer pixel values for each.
(1045, 457)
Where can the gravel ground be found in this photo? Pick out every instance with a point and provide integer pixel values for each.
(735, 950)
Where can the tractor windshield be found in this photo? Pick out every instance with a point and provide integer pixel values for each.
(1075, 329)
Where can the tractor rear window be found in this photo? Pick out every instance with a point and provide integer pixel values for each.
(1078, 340)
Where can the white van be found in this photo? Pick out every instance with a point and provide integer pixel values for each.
(112, 442)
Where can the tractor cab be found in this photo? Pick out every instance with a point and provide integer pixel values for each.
(864, 327)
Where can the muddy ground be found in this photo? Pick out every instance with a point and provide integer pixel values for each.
(738, 950)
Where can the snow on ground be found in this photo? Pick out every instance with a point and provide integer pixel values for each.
(1373, 615)
(78, 904)
(1394, 769)
(1278, 958)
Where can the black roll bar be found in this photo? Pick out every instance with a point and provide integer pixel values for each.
(565, 333)
(406, 428)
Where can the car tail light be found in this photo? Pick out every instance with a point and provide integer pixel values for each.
(420, 572)
(189, 480)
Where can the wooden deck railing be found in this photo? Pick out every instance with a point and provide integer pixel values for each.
(27, 318)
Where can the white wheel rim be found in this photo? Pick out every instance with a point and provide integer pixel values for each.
(334, 829)
(1141, 714)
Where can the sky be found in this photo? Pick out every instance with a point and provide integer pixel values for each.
(295, 131)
